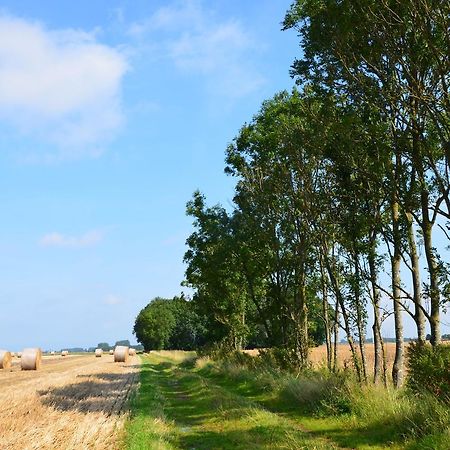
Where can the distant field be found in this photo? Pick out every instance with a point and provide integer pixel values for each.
(318, 355)
(75, 402)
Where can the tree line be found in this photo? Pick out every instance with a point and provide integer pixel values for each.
(342, 191)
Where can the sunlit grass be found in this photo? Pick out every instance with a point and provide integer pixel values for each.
(188, 402)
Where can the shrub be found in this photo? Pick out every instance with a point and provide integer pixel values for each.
(429, 369)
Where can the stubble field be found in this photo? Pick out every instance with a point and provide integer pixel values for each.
(76, 402)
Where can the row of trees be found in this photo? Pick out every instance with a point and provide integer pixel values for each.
(342, 187)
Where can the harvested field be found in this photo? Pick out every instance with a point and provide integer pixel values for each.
(318, 355)
(70, 403)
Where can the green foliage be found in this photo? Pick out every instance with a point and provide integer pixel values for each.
(353, 414)
(154, 324)
(169, 324)
(124, 342)
(104, 346)
(429, 369)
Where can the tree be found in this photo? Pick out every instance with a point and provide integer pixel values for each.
(104, 346)
(154, 325)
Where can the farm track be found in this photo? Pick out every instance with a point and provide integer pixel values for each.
(76, 402)
(202, 411)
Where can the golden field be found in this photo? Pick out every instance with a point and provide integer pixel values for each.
(76, 402)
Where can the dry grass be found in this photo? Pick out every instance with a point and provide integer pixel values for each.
(71, 403)
(318, 355)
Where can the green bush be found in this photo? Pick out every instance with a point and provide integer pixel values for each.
(429, 370)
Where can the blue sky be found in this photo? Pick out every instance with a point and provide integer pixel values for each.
(111, 114)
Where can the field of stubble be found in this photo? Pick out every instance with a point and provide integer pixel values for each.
(76, 402)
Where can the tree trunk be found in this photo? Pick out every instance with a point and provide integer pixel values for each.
(435, 320)
(325, 312)
(397, 369)
(419, 316)
(360, 317)
(377, 338)
(336, 335)
(340, 299)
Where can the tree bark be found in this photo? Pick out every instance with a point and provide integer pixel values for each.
(419, 316)
(378, 372)
(397, 369)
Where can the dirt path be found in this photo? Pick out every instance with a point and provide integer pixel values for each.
(180, 408)
(74, 402)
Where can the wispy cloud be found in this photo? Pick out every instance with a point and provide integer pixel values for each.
(198, 43)
(60, 240)
(112, 300)
(60, 86)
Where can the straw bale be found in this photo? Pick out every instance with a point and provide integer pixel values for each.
(121, 353)
(31, 359)
(98, 352)
(64, 353)
(132, 352)
(5, 359)
(111, 352)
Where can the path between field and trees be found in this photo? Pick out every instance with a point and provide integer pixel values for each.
(182, 406)
(76, 402)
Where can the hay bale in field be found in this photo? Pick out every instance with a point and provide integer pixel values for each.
(64, 353)
(19, 354)
(111, 352)
(132, 352)
(5, 359)
(121, 353)
(52, 353)
(98, 352)
(13, 354)
(31, 359)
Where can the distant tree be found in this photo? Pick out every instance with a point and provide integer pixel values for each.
(104, 346)
(170, 324)
(124, 342)
(154, 324)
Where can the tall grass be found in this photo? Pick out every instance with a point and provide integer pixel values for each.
(388, 413)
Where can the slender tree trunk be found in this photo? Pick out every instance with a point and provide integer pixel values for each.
(397, 369)
(326, 312)
(251, 290)
(340, 299)
(360, 317)
(302, 310)
(377, 338)
(336, 335)
(435, 319)
(427, 224)
(419, 316)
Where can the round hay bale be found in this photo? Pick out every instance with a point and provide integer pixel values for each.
(121, 353)
(5, 359)
(64, 353)
(52, 353)
(132, 352)
(31, 359)
(19, 354)
(13, 354)
(111, 352)
(98, 352)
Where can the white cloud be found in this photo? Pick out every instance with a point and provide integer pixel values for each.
(60, 240)
(60, 86)
(196, 42)
(113, 300)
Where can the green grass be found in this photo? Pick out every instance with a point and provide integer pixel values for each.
(178, 407)
(182, 404)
